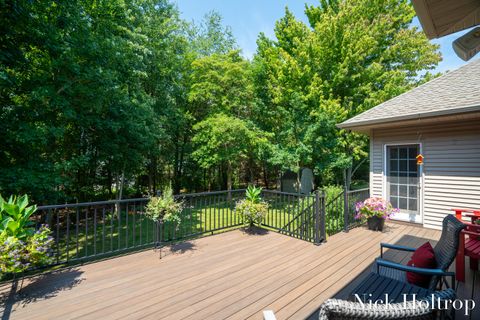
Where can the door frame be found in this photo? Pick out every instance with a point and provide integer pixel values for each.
(400, 217)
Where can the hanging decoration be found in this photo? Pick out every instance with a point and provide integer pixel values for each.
(419, 159)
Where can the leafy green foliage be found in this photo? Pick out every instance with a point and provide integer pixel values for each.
(253, 194)
(21, 247)
(15, 217)
(19, 255)
(121, 97)
(222, 139)
(252, 209)
(164, 208)
(352, 56)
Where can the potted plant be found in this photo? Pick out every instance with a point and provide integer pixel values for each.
(375, 210)
(252, 209)
(164, 209)
(22, 247)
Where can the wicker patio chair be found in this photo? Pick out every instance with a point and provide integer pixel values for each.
(335, 309)
(389, 278)
(445, 252)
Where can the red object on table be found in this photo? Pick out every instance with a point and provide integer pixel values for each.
(468, 246)
(473, 214)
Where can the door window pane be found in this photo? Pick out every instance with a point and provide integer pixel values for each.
(402, 191)
(394, 190)
(402, 203)
(403, 153)
(394, 201)
(412, 191)
(412, 204)
(394, 153)
(394, 165)
(412, 165)
(412, 153)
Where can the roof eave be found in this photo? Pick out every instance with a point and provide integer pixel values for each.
(370, 123)
(425, 19)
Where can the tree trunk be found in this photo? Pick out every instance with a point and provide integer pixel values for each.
(347, 178)
(229, 180)
(120, 186)
(265, 175)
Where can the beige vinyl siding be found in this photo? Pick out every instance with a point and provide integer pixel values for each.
(451, 170)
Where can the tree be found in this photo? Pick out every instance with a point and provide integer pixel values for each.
(76, 114)
(221, 83)
(211, 37)
(355, 55)
(222, 139)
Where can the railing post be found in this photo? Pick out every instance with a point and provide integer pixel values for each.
(345, 209)
(323, 215)
(317, 218)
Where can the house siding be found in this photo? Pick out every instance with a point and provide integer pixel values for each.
(451, 170)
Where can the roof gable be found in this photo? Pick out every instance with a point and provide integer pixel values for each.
(455, 92)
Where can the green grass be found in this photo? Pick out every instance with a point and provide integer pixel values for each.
(101, 232)
(104, 232)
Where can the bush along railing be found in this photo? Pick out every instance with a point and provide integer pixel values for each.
(340, 210)
(85, 231)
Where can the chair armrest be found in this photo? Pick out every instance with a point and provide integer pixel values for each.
(394, 247)
(472, 227)
(398, 266)
(471, 233)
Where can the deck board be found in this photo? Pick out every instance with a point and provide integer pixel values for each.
(233, 275)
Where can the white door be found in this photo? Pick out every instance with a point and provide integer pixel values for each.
(403, 181)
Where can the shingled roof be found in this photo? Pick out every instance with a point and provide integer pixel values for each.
(455, 92)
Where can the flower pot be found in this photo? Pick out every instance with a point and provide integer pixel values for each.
(375, 223)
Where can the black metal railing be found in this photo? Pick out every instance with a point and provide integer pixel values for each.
(89, 230)
(340, 211)
(86, 231)
(291, 213)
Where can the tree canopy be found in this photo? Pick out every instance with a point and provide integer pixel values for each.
(120, 98)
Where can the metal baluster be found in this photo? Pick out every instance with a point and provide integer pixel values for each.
(133, 223)
(76, 231)
(103, 230)
(111, 228)
(95, 231)
(141, 223)
(68, 234)
(86, 232)
(126, 225)
(119, 218)
(57, 240)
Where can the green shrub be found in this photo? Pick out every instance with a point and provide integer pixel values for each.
(15, 217)
(331, 192)
(21, 247)
(252, 209)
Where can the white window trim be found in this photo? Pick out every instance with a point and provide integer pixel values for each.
(421, 180)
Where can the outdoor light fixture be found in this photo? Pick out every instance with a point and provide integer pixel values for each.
(468, 45)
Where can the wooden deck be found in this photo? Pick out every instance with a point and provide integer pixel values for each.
(233, 275)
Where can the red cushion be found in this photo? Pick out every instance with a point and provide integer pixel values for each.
(423, 257)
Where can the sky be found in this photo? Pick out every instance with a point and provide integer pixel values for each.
(248, 18)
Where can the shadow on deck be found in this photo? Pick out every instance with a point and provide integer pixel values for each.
(234, 275)
(470, 289)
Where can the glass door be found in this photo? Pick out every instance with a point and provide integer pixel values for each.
(403, 181)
